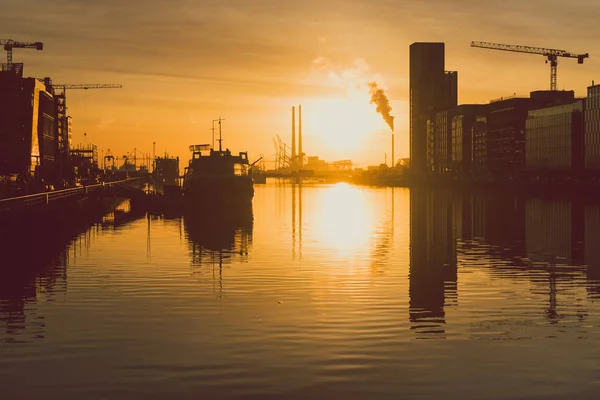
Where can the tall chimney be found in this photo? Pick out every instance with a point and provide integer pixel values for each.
(300, 136)
(393, 159)
(293, 134)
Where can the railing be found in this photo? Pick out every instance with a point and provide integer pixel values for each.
(45, 198)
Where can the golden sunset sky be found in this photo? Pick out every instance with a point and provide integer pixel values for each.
(183, 63)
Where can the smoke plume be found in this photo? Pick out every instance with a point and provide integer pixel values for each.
(379, 98)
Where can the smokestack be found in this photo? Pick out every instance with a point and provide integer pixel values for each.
(393, 159)
(300, 136)
(293, 134)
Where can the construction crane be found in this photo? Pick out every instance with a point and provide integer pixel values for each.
(62, 97)
(84, 86)
(10, 44)
(550, 54)
(59, 92)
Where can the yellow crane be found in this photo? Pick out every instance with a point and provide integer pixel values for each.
(550, 54)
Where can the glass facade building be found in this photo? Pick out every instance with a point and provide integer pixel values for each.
(463, 121)
(443, 141)
(479, 146)
(430, 145)
(554, 137)
(592, 128)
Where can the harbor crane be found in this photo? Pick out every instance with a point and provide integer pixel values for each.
(109, 157)
(550, 54)
(131, 154)
(10, 44)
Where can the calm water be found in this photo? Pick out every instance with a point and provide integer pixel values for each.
(334, 291)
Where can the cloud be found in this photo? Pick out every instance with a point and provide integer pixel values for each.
(352, 78)
(105, 122)
(179, 57)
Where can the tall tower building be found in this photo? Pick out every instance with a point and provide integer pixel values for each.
(432, 89)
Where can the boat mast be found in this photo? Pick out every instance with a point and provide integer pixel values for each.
(220, 136)
(213, 133)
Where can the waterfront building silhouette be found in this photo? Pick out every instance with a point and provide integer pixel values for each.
(432, 89)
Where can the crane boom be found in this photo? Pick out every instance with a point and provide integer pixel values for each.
(551, 55)
(86, 86)
(60, 99)
(10, 44)
(528, 49)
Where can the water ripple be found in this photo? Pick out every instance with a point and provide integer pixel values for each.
(332, 292)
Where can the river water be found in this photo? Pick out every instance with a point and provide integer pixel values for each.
(334, 291)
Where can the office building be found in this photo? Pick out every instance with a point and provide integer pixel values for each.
(430, 145)
(449, 139)
(554, 139)
(463, 121)
(592, 128)
(505, 141)
(432, 89)
(479, 147)
(505, 129)
(441, 142)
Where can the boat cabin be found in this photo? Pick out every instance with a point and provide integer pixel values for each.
(209, 162)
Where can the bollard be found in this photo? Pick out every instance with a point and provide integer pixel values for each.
(46, 198)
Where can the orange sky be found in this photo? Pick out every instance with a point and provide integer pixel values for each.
(183, 63)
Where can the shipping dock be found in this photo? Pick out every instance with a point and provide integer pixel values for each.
(46, 179)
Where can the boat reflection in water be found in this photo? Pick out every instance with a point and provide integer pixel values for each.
(218, 238)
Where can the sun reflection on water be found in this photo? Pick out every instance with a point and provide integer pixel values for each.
(344, 221)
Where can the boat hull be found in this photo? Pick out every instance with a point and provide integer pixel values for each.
(218, 192)
(260, 178)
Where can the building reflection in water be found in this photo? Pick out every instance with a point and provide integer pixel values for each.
(554, 244)
(592, 249)
(541, 241)
(34, 265)
(433, 267)
(216, 240)
(33, 269)
(384, 237)
(26, 278)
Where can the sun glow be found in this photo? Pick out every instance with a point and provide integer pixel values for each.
(342, 124)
